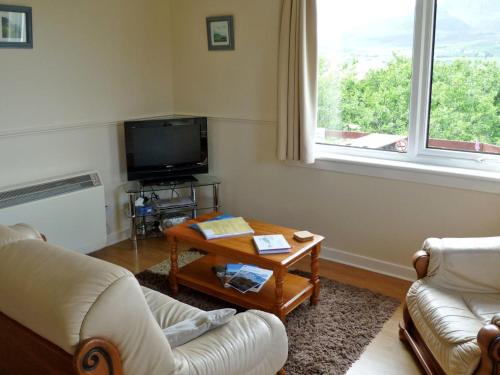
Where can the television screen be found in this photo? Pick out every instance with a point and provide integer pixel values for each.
(166, 148)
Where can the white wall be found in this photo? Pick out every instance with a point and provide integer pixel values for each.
(373, 217)
(93, 65)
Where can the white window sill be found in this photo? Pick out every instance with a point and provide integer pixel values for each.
(459, 178)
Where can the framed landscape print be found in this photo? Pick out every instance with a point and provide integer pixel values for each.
(220, 33)
(15, 27)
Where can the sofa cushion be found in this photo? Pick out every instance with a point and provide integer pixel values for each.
(447, 324)
(166, 310)
(483, 305)
(189, 329)
(252, 343)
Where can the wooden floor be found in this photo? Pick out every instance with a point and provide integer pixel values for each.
(385, 354)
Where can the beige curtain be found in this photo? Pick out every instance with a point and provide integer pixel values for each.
(297, 81)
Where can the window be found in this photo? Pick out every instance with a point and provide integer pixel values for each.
(465, 100)
(365, 73)
(414, 80)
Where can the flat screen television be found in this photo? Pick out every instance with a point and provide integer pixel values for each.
(172, 148)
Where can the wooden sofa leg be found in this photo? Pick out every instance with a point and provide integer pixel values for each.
(97, 357)
(488, 340)
(281, 372)
(407, 325)
(410, 336)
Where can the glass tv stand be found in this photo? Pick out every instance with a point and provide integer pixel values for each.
(148, 221)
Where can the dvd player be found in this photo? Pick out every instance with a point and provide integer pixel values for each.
(164, 204)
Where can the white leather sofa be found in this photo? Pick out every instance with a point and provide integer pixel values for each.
(65, 300)
(452, 313)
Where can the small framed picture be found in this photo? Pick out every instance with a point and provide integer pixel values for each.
(15, 27)
(220, 33)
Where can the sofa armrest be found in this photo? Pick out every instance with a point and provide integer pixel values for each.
(496, 319)
(97, 356)
(421, 263)
(28, 231)
(253, 342)
(465, 264)
(461, 245)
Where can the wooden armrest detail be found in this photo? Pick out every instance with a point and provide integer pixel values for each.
(421, 263)
(488, 340)
(97, 357)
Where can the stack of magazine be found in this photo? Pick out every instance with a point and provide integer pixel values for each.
(242, 277)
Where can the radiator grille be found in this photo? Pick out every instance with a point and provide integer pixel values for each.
(49, 189)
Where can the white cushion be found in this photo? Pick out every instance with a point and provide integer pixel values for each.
(189, 329)
(166, 310)
(465, 264)
(449, 325)
(252, 343)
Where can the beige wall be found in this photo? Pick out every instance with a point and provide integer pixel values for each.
(374, 217)
(94, 64)
(92, 61)
(234, 84)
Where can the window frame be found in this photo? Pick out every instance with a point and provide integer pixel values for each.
(419, 115)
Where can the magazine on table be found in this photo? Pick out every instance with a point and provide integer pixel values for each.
(250, 279)
(260, 274)
(244, 281)
(242, 277)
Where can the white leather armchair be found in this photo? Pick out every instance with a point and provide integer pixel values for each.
(452, 313)
(68, 313)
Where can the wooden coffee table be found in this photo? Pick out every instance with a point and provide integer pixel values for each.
(280, 295)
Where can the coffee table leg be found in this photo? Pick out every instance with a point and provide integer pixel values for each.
(174, 268)
(279, 276)
(315, 273)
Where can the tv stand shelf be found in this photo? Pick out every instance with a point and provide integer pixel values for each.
(136, 189)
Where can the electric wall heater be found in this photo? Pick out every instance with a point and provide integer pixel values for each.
(70, 211)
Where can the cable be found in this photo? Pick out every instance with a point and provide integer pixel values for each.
(172, 191)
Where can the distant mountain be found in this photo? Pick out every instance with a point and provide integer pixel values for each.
(481, 15)
(399, 34)
(447, 23)
(462, 26)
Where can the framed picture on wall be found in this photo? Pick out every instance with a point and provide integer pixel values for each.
(220, 33)
(15, 27)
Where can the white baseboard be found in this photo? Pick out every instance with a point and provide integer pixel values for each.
(369, 264)
(118, 236)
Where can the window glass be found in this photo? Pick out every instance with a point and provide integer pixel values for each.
(465, 100)
(364, 73)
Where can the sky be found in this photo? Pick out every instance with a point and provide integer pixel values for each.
(338, 18)
(351, 14)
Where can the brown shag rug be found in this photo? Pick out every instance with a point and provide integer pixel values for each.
(325, 339)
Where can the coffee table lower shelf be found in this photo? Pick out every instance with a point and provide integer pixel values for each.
(198, 275)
